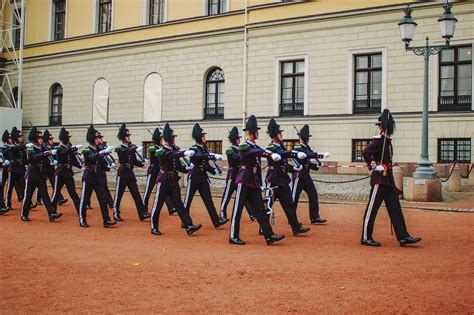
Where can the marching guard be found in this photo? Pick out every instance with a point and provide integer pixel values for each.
(198, 179)
(17, 167)
(153, 170)
(94, 177)
(168, 182)
(68, 157)
(4, 163)
(129, 157)
(38, 158)
(278, 179)
(249, 185)
(378, 156)
(302, 180)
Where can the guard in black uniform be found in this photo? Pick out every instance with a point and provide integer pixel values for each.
(127, 155)
(4, 163)
(378, 156)
(197, 177)
(168, 182)
(48, 145)
(278, 179)
(17, 168)
(68, 157)
(249, 185)
(153, 170)
(94, 177)
(302, 180)
(38, 159)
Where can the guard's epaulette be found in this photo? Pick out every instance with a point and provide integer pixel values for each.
(193, 147)
(85, 150)
(244, 146)
(30, 150)
(117, 150)
(272, 147)
(229, 151)
(379, 137)
(59, 148)
(298, 148)
(152, 150)
(160, 152)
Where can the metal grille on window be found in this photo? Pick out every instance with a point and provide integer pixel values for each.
(454, 150)
(156, 11)
(358, 145)
(367, 83)
(105, 16)
(215, 146)
(292, 88)
(215, 86)
(455, 79)
(55, 119)
(59, 19)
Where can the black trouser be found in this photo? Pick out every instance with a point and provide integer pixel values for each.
(131, 184)
(108, 196)
(162, 193)
(308, 186)
(16, 181)
(204, 189)
(2, 186)
(254, 197)
(59, 182)
(150, 184)
(388, 194)
(229, 189)
(100, 191)
(51, 177)
(283, 194)
(31, 185)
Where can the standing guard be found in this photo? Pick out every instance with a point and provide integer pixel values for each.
(168, 182)
(378, 156)
(38, 159)
(197, 177)
(94, 177)
(68, 157)
(278, 179)
(5, 162)
(17, 168)
(129, 157)
(249, 185)
(153, 170)
(302, 180)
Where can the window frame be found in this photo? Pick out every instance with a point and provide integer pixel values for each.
(368, 109)
(294, 75)
(16, 33)
(109, 24)
(55, 118)
(455, 148)
(290, 143)
(216, 114)
(161, 12)
(221, 7)
(213, 143)
(354, 149)
(55, 12)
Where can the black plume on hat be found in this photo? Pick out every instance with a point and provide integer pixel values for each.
(273, 128)
(6, 135)
(197, 133)
(15, 133)
(34, 134)
(92, 133)
(168, 134)
(64, 135)
(156, 136)
(234, 134)
(387, 122)
(47, 135)
(123, 132)
(251, 125)
(304, 133)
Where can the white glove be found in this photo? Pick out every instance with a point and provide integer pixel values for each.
(379, 168)
(78, 146)
(55, 162)
(144, 160)
(217, 156)
(54, 151)
(276, 157)
(301, 155)
(189, 153)
(6, 163)
(190, 166)
(29, 145)
(297, 168)
(326, 154)
(140, 150)
(112, 165)
(109, 149)
(373, 164)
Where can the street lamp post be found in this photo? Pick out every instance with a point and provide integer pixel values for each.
(407, 31)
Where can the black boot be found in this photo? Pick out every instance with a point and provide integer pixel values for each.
(193, 228)
(84, 224)
(61, 202)
(301, 230)
(155, 232)
(370, 243)
(318, 220)
(236, 241)
(409, 240)
(172, 211)
(25, 218)
(117, 217)
(145, 216)
(108, 224)
(54, 216)
(274, 238)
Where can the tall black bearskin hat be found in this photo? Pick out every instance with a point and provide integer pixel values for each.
(16, 134)
(34, 135)
(123, 132)
(64, 135)
(47, 136)
(6, 135)
(387, 122)
(234, 135)
(198, 132)
(168, 134)
(304, 133)
(92, 134)
(273, 128)
(156, 136)
(251, 125)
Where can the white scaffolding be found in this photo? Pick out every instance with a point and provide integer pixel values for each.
(12, 31)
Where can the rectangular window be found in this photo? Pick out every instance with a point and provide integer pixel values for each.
(358, 145)
(455, 79)
(59, 19)
(215, 146)
(215, 7)
(156, 12)
(16, 31)
(146, 145)
(105, 16)
(292, 87)
(367, 83)
(454, 150)
(290, 144)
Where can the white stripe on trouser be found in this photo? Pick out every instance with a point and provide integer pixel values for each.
(155, 203)
(116, 194)
(186, 199)
(8, 189)
(24, 197)
(82, 201)
(55, 187)
(295, 187)
(369, 210)
(234, 211)
(146, 187)
(226, 194)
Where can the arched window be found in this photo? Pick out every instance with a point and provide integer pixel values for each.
(215, 84)
(100, 101)
(152, 97)
(55, 117)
